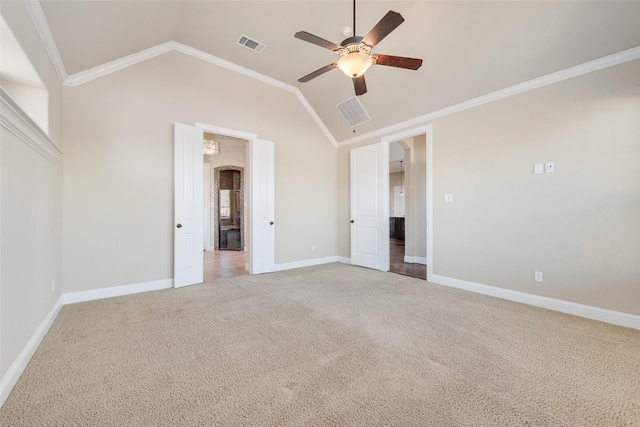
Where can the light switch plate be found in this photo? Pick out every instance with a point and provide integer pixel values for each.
(537, 168)
(448, 198)
(548, 167)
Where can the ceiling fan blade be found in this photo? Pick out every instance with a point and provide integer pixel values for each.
(317, 72)
(360, 85)
(398, 61)
(308, 37)
(382, 29)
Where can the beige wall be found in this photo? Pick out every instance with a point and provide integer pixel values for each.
(118, 177)
(578, 225)
(417, 194)
(394, 181)
(30, 211)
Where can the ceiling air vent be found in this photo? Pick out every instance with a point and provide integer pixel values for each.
(249, 43)
(353, 112)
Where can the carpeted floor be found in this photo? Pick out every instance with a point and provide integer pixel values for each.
(326, 345)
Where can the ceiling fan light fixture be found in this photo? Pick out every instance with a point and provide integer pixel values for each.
(355, 64)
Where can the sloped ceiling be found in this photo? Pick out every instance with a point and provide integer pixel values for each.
(469, 48)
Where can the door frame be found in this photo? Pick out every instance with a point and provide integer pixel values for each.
(207, 207)
(428, 132)
(251, 138)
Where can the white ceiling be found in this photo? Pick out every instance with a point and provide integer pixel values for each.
(469, 48)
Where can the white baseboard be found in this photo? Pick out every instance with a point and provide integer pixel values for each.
(415, 260)
(116, 291)
(344, 260)
(305, 263)
(581, 310)
(10, 378)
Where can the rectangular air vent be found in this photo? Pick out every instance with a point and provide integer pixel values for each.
(249, 43)
(353, 112)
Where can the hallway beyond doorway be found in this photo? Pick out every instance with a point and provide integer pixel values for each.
(224, 264)
(397, 264)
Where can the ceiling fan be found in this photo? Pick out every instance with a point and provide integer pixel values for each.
(355, 52)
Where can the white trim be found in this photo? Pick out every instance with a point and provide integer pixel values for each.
(10, 378)
(581, 310)
(315, 117)
(14, 119)
(568, 73)
(305, 263)
(344, 260)
(227, 132)
(415, 260)
(116, 291)
(42, 26)
(207, 57)
(118, 64)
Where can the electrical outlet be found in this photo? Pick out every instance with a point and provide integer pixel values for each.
(538, 276)
(537, 168)
(548, 167)
(313, 248)
(53, 285)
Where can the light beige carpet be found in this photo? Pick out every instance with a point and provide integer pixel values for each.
(327, 345)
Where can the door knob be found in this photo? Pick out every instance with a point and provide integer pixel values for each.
(179, 225)
(271, 223)
(352, 221)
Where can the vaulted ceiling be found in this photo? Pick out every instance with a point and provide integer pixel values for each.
(469, 48)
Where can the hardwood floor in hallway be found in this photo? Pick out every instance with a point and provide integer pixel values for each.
(397, 264)
(224, 264)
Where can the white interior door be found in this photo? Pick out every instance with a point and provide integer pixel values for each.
(262, 252)
(370, 206)
(188, 266)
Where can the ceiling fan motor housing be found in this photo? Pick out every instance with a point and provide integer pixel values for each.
(351, 40)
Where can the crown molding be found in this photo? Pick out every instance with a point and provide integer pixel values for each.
(568, 73)
(40, 20)
(135, 58)
(42, 26)
(14, 119)
(119, 64)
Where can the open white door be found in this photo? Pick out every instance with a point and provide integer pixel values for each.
(188, 265)
(262, 207)
(370, 206)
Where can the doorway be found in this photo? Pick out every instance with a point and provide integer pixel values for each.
(402, 210)
(189, 197)
(411, 238)
(225, 208)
